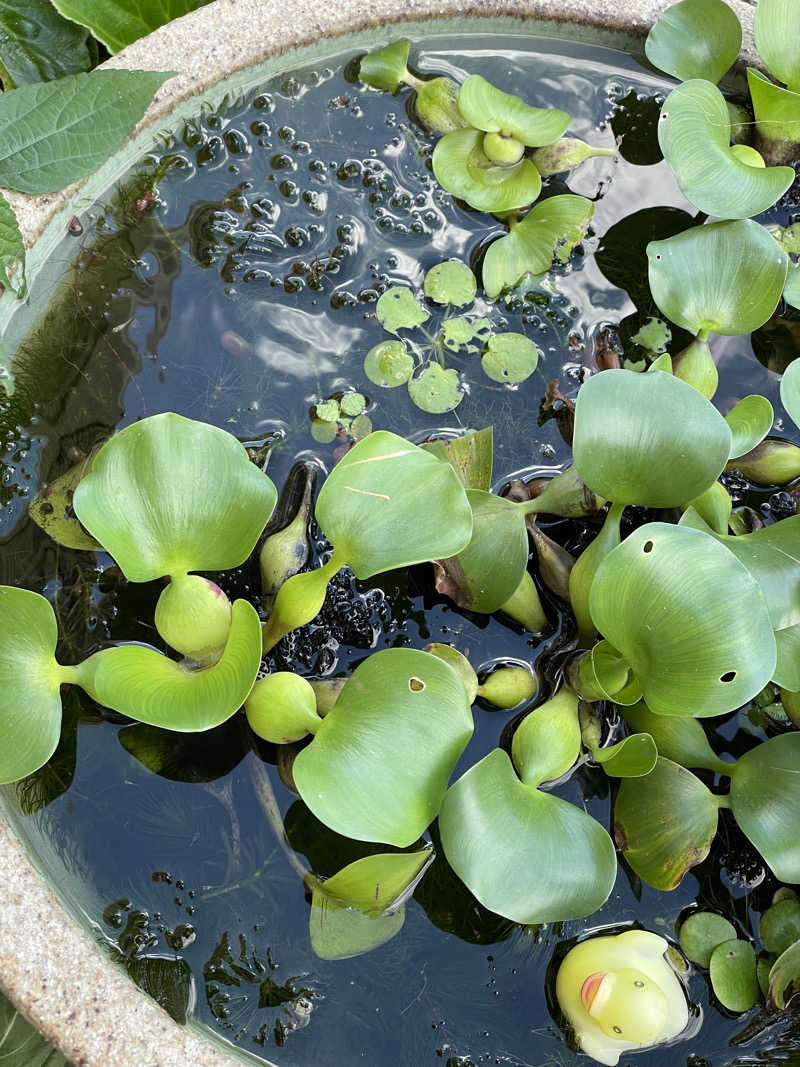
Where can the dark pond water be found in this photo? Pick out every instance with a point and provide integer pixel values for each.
(234, 280)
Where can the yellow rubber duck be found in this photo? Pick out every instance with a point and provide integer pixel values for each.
(620, 994)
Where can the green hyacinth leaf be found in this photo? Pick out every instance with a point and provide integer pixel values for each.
(451, 282)
(388, 503)
(776, 27)
(485, 574)
(689, 661)
(790, 391)
(784, 978)
(733, 975)
(389, 364)
(664, 823)
(398, 309)
(787, 668)
(548, 740)
(727, 277)
(493, 111)
(714, 506)
(147, 686)
(386, 68)
(52, 510)
(765, 800)
(168, 495)
(780, 925)
(750, 420)
(30, 680)
(682, 740)
(362, 906)
(557, 862)
(510, 358)
(701, 933)
(470, 456)
(694, 135)
(777, 113)
(631, 757)
(695, 39)
(647, 439)
(356, 775)
(436, 390)
(55, 133)
(791, 291)
(463, 169)
(553, 227)
(460, 664)
(611, 677)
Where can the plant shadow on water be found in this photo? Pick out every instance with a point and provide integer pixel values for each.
(235, 280)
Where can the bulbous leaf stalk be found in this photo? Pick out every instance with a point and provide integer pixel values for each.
(566, 153)
(525, 606)
(582, 574)
(282, 708)
(285, 552)
(507, 687)
(773, 462)
(695, 366)
(193, 615)
(436, 105)
(299, 602)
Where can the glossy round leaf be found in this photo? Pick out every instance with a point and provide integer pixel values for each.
(436, 390)
(695, 39)
(548, 740)
(510, 358)
(463, 169)
(765, 800)
(388, 503)
(688, 618)
(451, 282)
(30, 679)
(727, 277)
(733, 975)
(647, 439)
(664, 823)
(398, 309)
(780, 925)
(776, 27)
(701, 933)
(553, 226)
(750, 420)
(790, 391)
(489, 109)
(168, 495)
(694, 134)
(487, 573)
(556, 861)
(365, 773)
(147, 686)
(682, 740)
(389, 364)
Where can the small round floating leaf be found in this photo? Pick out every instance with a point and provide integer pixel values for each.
(777, 32)
(727, 277)
(557, 862)
(493, 111)
(682, 740)
(327, 411)
(168, 495)
(463, 169)
(398, 309)
(388, 503)
(360, 427)
(389, 364)
(145, 685)
(324, 432)
(664, 823)
(487, 572)
(386, 68)
(353, 403)
(436, 390)
(790, 391)
(750, 420)
(695, 39)
(702, 932)
(631, 757)
(552, 227)
(30, 679)
(647, 439)
(765, 800)
(52, 510)
(459, 331)
(510, 358)
(451, 282)
(358, 774)
(689, 660)
(733, 975)
(780, 925)
(694, 134)
(777, 113)
(784, 978)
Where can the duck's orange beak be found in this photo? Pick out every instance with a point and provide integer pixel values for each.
(590, 988)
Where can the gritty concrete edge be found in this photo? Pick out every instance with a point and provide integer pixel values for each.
(85, 1005)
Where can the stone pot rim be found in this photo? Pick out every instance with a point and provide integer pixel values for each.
(49, 965)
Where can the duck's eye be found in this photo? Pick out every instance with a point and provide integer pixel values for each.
(617, 1029)
(639, 985)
